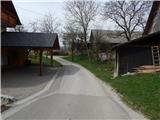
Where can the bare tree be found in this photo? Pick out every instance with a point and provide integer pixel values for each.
(49, 23)
(34, 25)
(95, 42)
(81, 13)
(18, 28)
(127, 15)
(70, 34)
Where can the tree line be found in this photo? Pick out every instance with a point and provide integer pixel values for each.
(128, 16)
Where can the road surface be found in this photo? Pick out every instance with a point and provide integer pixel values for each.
(75, 94)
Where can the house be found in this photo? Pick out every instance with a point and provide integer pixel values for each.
(18, 44)
(9, 18)
(141, 51)
(102, 41)
(15, 46)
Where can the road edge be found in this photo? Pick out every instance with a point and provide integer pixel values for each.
(30, 99)
(114, 95)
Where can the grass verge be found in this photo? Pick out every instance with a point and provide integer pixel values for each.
(45, 61)
(141, 91)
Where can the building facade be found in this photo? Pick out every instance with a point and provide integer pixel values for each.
(142, 51)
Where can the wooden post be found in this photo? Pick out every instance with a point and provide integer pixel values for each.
(51, 52)
(40, 62)
(72, 50)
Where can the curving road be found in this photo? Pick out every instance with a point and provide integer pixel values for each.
(74, 94)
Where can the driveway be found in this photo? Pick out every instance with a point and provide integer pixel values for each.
(23, 82)
(75, 94)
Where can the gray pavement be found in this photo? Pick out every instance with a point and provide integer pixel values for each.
(75, 94)
(23, 82)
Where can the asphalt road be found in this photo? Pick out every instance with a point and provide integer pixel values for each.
(74, 94)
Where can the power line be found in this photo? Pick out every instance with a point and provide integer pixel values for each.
(30, 11)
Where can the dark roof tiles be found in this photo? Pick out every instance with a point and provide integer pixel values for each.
(111, 36)
(28, 40)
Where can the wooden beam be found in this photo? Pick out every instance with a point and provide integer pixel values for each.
(40, 62)
(6, 18)
(51, 53)
(141, 46)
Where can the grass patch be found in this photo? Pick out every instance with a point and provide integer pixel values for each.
(45, 61)
(141, 91)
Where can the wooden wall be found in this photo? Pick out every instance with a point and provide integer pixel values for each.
(16, 57)
(56, 45)
(8, 18)
(132, 57)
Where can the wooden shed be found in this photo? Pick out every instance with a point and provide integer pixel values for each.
(101, 41)
(15, 45)
(136, 53)
(141, 51)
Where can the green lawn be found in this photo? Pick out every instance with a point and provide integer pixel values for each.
(141, 91)
(45, 61)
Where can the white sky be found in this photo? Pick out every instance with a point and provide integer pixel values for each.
(30, 10)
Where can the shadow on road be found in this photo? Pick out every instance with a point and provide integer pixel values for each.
(70, 69)
(27, 76)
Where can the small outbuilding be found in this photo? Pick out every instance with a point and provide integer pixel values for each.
(143, 51)
(102, 41)
(16, 46)
(136, 53)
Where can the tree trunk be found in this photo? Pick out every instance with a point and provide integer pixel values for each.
(85, 40)
(51, 54)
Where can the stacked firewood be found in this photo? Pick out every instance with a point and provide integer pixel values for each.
(147, 69)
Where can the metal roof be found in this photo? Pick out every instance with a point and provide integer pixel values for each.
(151, 39)
(111, 36)
(28, 40)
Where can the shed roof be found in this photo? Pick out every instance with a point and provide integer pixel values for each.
(28, 40)
(111, 36)
(151, 39)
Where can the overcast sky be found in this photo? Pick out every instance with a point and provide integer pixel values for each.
(30, 10)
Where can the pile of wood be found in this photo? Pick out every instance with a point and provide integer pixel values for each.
(147, 69)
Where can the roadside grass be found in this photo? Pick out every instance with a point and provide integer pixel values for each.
(141, 91)
(45, 61)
